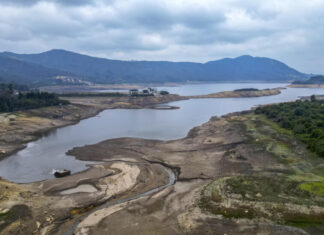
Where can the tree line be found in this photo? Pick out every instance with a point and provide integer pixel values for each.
(304, 118)
(13, 100)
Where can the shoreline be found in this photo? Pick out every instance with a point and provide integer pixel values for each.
(220, 148)
(306, 86)
(217, 149)
(127, 86)
(81, 108)
(78, 110)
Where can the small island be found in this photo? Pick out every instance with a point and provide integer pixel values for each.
(241, 93)
(313, 82)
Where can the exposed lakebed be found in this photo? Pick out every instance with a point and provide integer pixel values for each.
(37, 161)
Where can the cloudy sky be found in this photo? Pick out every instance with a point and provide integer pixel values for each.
(177, 30)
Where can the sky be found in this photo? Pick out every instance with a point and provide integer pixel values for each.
(291, 31)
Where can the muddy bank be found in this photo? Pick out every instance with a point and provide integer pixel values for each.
(45, 207)
(233, 146)
(19, 128)
(306, 85)
(241, 93)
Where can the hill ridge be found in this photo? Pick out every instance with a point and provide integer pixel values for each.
(102, 70)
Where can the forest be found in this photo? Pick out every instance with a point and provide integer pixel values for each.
(304, 118)
(13, 100)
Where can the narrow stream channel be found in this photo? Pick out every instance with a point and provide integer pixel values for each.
(172, 180)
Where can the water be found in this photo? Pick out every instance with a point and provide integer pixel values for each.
(37, 161)
(204, 89)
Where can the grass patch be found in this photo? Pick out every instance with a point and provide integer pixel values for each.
(287, 196)
(15, 213)
(303, 221)
(315, 188)
(274, 188)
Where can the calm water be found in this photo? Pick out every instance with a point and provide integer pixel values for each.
(37, 161)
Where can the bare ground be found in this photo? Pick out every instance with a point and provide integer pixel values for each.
(218, 148)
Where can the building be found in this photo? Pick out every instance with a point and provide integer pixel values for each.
(152, 90)
(133, 92)
(146, 92)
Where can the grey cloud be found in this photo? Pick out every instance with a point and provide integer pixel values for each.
(33, 2)
(153, 15)
(150, 16)
(163, 29)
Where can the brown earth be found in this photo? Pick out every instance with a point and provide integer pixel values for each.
(48, 209)
(306, 85)
(241, 93)
(220, 148)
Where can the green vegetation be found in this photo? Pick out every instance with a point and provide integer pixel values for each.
(288, 189)
(304, 118)
(316, 188)
(313, 80)
(17, 212)
(11, 100)
(164, 93)
(95, 94)
(246, 89)
(13, 86)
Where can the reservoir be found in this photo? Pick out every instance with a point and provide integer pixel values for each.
(38, 160)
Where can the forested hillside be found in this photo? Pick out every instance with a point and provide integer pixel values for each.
(99, 70)
(304, 118)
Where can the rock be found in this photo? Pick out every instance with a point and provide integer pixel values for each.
(3, 211)
(247, 195)
(258, 195)
(38, 224)
(214, 118)
(12, 117)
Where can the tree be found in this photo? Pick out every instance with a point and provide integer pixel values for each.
(313, 98)
(10, 88)
(3, 87)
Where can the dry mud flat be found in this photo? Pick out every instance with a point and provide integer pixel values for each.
(200, 202)
(306, 85)
(240, 174)
(51, 206)
(228, 175)
(243, 93)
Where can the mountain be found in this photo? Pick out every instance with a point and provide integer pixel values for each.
(245, 68)
(99, 70)
(317, 80)
(23, 72)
